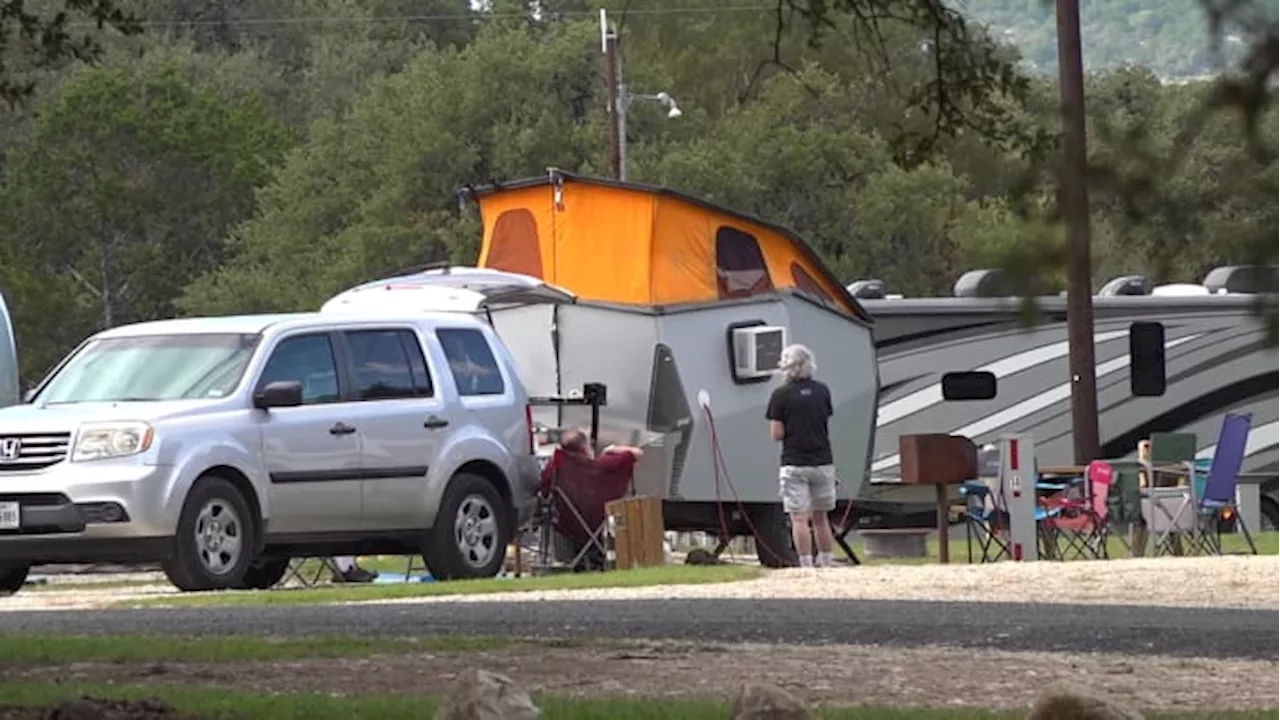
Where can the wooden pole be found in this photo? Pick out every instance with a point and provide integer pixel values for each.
(1074, 198)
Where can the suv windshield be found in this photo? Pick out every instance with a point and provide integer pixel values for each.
(152, 367)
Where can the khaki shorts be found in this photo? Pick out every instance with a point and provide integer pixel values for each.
(807, 489)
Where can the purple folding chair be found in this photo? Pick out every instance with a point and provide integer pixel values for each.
(1219, 491)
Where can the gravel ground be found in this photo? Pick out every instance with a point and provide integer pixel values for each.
(1203, 633)
(1227, 582)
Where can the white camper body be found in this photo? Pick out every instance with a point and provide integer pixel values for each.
(10, 388)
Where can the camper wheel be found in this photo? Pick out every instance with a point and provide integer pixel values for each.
(773, 544)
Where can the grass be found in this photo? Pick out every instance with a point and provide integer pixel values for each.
(52, 649)
(664, 575)
(218, 703)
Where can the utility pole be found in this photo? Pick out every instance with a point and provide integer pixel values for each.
(1074, 200)
(609, 46)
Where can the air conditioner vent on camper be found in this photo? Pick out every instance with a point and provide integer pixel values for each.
(867, 289)
(1247, 279)
(1126, 285)
(757, 350)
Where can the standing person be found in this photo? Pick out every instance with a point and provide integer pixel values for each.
(798, 412)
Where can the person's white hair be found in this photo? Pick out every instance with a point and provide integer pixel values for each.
(797, 363)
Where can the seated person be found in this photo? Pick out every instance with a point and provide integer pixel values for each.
(589, 481)
(576, 442)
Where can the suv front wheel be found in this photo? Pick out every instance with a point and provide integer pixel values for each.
(215, 544)
(471, 533)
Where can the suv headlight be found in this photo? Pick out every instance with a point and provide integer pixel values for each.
(100, 441)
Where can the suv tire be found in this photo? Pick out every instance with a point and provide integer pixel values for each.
(216, 539)
(264, 574)
(12, 578)
(471, 533)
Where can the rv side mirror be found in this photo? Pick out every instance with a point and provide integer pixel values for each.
(282, 393)
(1146, 359)
(968, 386)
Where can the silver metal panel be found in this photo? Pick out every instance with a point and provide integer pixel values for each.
(656, 364)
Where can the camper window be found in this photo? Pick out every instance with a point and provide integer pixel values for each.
(387, 365)
(805, 283)
(514, 244)
(740, 268)
(475, 371)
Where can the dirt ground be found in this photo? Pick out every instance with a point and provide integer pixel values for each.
(831, 676)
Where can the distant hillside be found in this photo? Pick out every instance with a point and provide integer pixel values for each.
(1168, 36)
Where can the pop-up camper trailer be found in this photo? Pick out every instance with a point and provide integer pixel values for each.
(673, 304)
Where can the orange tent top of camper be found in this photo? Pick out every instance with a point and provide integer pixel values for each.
(632, 244)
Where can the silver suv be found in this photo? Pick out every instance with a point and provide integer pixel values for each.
(222, 447)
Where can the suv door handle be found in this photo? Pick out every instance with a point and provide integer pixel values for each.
(435, 423)
(341, 429)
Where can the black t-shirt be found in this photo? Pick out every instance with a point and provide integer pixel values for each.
(803, 406)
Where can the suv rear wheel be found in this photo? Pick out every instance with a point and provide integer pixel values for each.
(216, 539)
(471, 532)
(12, 578)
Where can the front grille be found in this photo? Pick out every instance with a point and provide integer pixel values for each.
(32, 451)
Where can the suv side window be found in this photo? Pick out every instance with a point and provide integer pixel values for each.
(471, 361)
(388, 364)
(307, 359)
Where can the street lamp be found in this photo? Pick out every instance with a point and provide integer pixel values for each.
(620, 99)
(625, 99)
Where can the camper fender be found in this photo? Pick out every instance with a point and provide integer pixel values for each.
(475, 454)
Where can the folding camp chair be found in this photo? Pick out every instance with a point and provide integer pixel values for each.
(571, 504)
(308, 575)
(1169, 462)
(1216, 488)
(1081, 523)
(984, 523)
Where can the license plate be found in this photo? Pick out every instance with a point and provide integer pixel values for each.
(9, 516)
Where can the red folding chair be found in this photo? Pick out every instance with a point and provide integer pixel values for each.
(572, 494)
(1081, 523)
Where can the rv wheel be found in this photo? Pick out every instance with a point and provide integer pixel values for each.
(1270, 514)
(774, 548)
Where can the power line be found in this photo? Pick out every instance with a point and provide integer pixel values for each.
(478, 16)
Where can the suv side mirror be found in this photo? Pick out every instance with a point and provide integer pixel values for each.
(281, 393)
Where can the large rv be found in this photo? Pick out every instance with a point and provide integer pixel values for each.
(1218, 359)
(10, 392)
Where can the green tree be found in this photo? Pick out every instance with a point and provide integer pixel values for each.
(125, 190)
(374, 190)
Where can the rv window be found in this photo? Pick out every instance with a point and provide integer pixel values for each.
(805, 282)
(382, 364)
(475, 371)
(740, 268)
(968, 386)
(1146, 359)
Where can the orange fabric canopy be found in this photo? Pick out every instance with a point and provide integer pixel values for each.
(639, 245)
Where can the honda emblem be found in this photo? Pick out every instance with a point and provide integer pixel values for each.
(10, 449)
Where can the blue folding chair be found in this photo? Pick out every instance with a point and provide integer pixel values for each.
(1215, 489)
